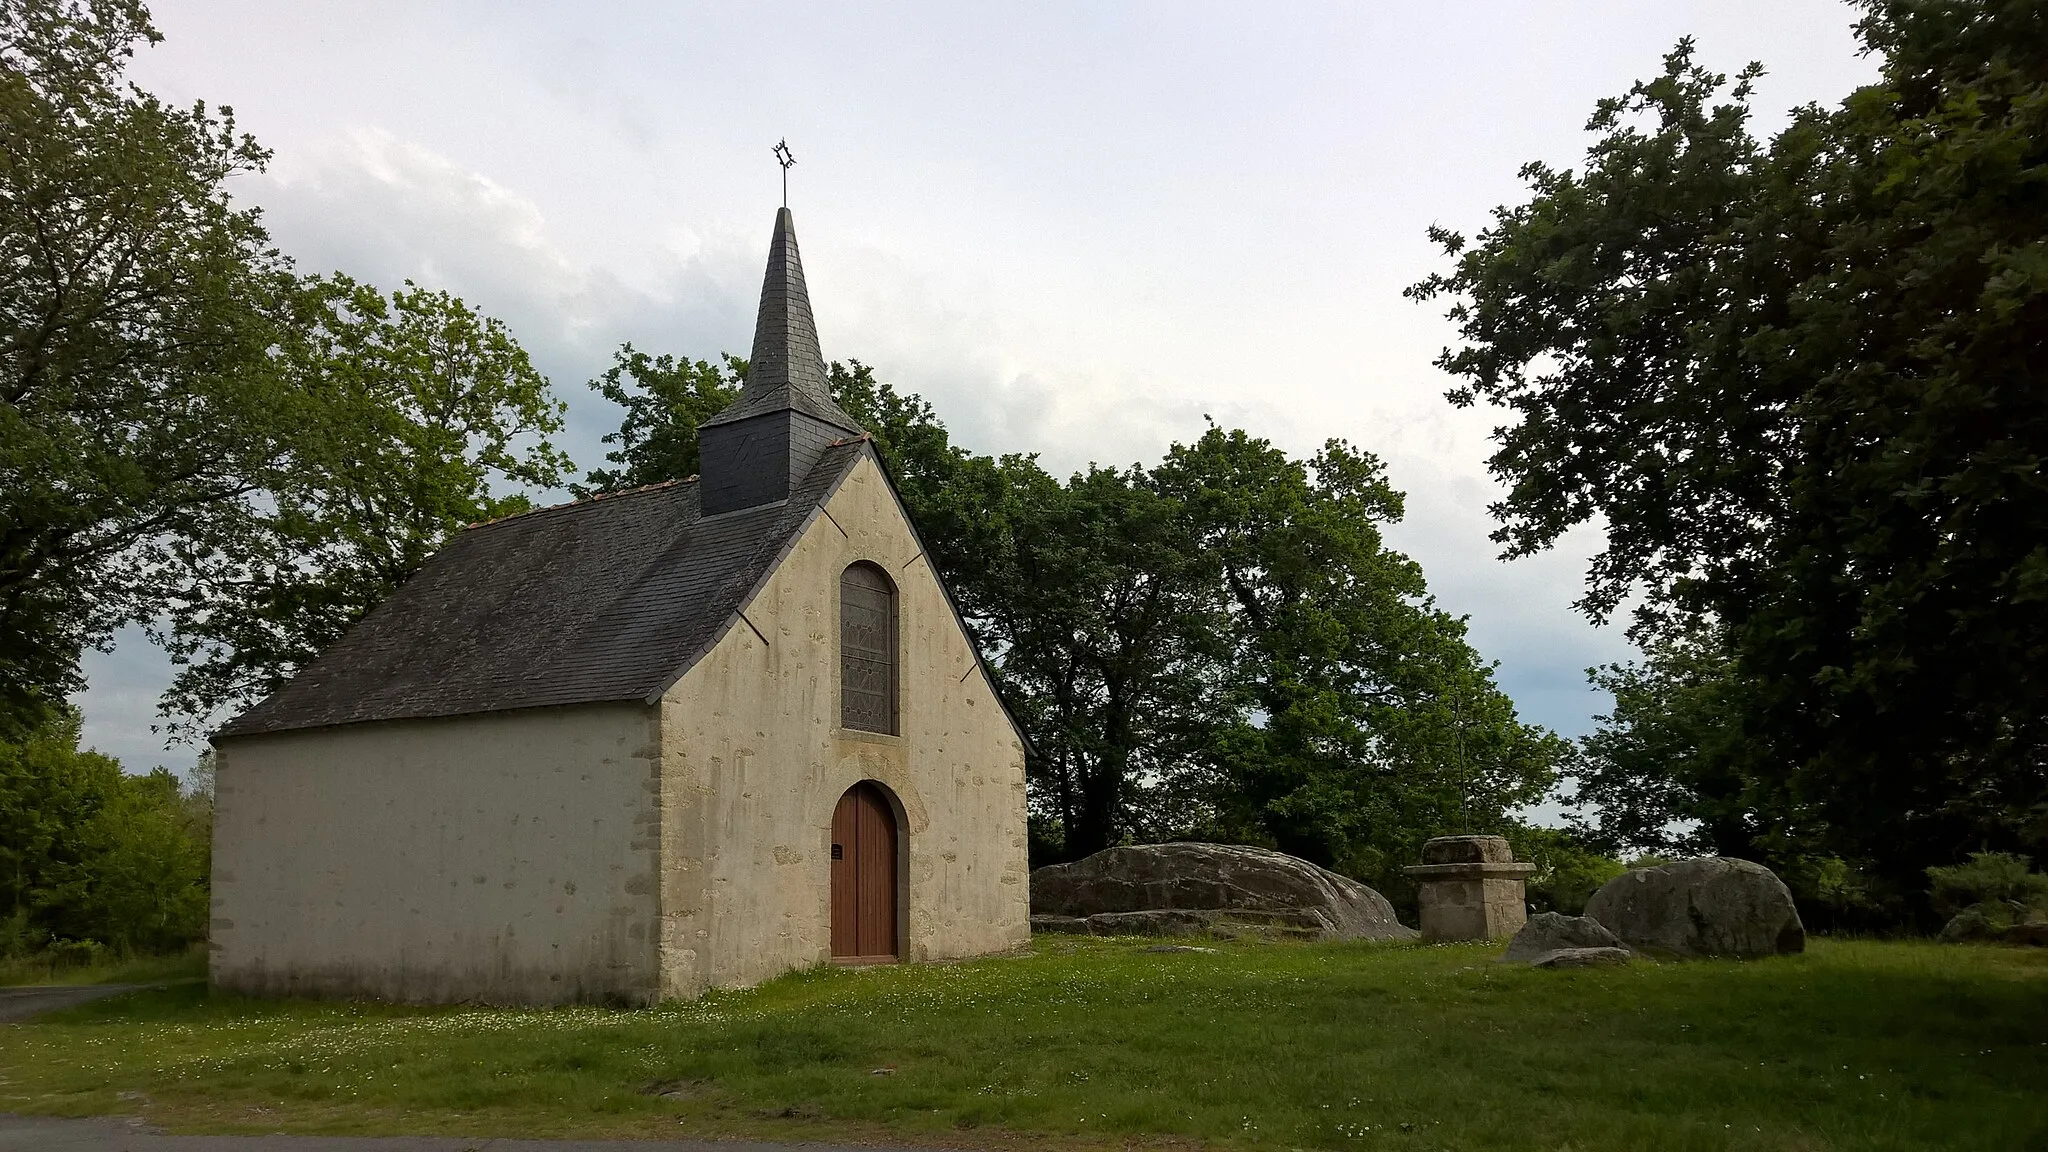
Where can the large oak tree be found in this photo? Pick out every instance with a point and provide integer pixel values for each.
(1804, 386)
(138, 308)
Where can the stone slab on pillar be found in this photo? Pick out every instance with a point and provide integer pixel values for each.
(1472, 889)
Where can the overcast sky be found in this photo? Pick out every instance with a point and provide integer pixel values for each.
(1074, 228)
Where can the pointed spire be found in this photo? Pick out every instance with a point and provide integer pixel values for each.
(764, 444)
(786, 370)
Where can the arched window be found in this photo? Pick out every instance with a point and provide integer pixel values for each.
(867, 650)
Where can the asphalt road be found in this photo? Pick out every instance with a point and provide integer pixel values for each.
(115, 1134)
(22, 1003)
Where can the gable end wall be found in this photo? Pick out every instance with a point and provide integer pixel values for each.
(753, 763)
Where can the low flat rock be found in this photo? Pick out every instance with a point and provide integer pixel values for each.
(1581, 958)
(2001, 922)
(1152, 922)
(1219, 922)
(1548, 932)
(1199, 889)
(2033, 933)
(1155, 922)
(1067, 925)
(1713, 906)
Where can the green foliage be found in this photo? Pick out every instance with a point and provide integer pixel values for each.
(416, 417)
(1835, 895)
(93, 859)
(1350, 720)
(1988, 877)
(1657, 774)
(665, 400)
(955, 497)
(1568, 869)
(1087, 1044)
(1801, 383)
(137, 311)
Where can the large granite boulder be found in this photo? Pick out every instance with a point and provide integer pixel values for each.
(1195, 889)
(1548, 932)
(1713, 906)
(1972, 924)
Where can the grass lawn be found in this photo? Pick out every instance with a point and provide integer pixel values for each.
(1100, 1043)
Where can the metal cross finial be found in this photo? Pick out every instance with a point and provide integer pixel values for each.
(787, 159)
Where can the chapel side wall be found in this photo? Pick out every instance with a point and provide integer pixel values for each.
(504, 858)
(754, 763)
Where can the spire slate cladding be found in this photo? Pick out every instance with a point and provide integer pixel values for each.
(762, 446)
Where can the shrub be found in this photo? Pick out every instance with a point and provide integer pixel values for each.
(92, 857)
(1568, 871)
(1833, 894)
(1988, 877)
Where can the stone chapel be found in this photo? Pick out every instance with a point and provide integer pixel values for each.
(627, 749)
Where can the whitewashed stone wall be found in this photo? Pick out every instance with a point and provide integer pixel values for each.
(506, 858)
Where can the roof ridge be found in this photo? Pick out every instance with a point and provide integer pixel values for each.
(593, 498)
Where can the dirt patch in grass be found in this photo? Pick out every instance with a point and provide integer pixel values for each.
(1093, 1043)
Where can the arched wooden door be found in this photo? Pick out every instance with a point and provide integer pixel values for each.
(864, 877)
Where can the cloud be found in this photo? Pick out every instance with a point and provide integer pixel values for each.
(386, 209)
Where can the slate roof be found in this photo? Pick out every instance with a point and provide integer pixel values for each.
(786, 369)
(610, 599)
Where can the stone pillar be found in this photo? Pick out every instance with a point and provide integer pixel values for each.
(1471, 889)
